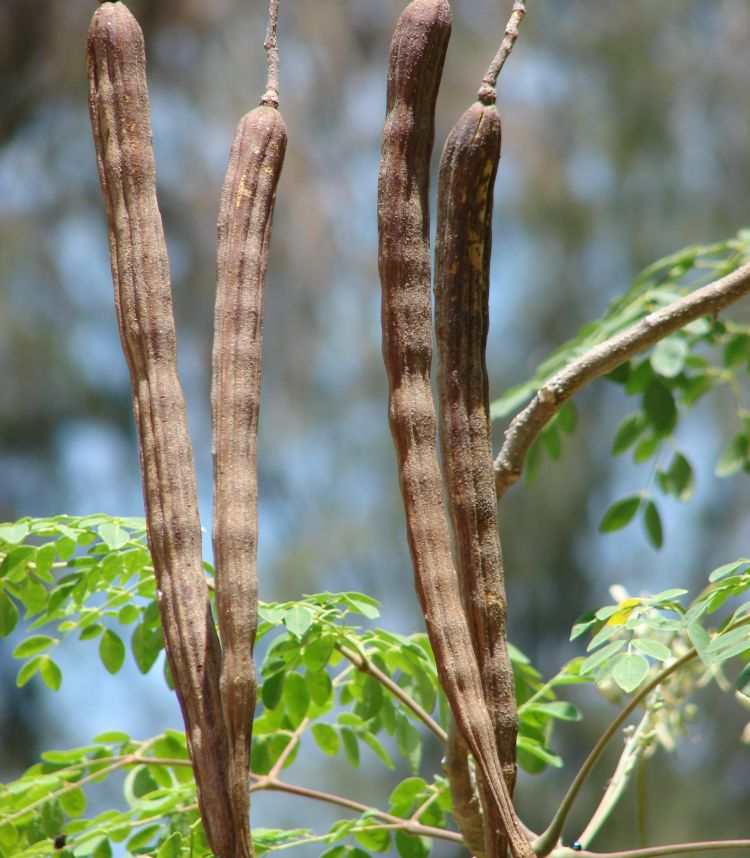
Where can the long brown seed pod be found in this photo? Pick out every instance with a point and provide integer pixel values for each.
(415, 66)
(468, 167)
(245, 214)
(118, 101)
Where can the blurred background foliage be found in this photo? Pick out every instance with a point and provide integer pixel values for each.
(626, 130)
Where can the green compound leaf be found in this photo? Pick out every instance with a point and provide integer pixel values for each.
(630, 671)
(620, 513)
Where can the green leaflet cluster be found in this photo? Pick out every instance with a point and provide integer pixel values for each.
(637, 638)
(327, 683)
(78, 577)
(707, 355)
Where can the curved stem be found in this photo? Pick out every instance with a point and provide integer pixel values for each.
(260, 782)
(544, 844)
(604, 357)
(365, 665)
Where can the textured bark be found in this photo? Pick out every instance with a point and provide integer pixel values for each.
(415, 66)
(466, 807)
(468, 168)
(120, 118)
(245, 216)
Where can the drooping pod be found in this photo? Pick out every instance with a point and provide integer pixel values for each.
(468, 167)
(244, 232)
(120, 117)
(415, 66)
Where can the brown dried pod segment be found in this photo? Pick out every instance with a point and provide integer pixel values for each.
(120, 118)
(245, 215)
(468, 167)
(415, 66)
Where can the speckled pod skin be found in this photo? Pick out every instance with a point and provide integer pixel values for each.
(415, 66)
(120, 118)
(244, 227)
(468, 168)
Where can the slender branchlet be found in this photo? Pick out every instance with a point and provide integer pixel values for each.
(120, 118)
(603, 358)
(271, 45)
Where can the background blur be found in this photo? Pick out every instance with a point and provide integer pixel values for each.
(626, 128)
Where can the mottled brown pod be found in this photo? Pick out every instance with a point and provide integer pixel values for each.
(244, 228)
(415, 66)
(468, 167)
(118, 101)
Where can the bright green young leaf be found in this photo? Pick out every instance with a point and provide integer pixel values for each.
(14, 533)
(655, 649)
(351, 746)
(363, 604)
(630, 671)
(620, 513)
(143, 837)
(113, 536)
(272, 689)
(73, 802)
(28, 670)
(652, 523)
(317, 653)
(536, 750)
(559, 709)
(50, 673)
(376, 747)
(411, 847)
(375, 839)
(8, 614)
(298, 620)
(601, 656)
(88, 845)
(171, 847)
(296, 696)
(319, 686)
(33, 646)
(146, 644)
(326, 738)
(406, 792)
(728, 569)
(111, 651)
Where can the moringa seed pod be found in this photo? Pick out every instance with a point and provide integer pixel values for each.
(120, 118)
(415, 66)
(468, 167)
(244, 228)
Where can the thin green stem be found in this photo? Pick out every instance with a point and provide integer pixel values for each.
(545, 843)
(655, 851)
(365, 665)
(635, 745)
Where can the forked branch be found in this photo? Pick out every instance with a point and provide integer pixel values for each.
(603, 358)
